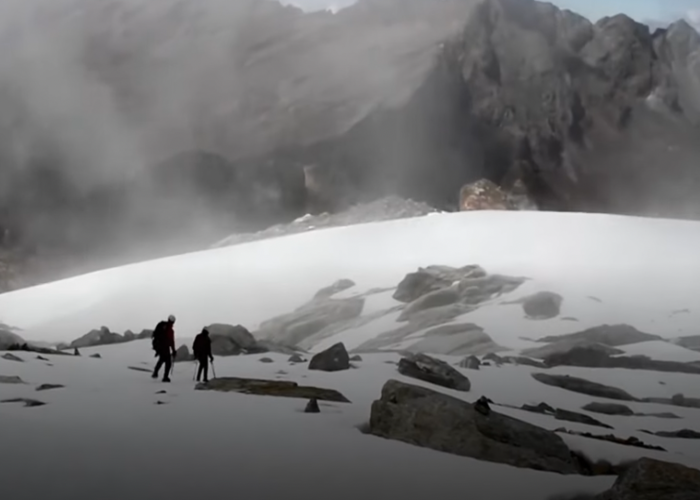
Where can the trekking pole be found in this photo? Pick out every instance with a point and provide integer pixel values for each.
(213, 370)
(194, 373)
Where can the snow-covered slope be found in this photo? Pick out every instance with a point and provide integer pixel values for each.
(609, 269)
(104, 436)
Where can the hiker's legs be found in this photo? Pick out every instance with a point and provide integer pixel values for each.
(168, 361)
(160, 362)
(203, 369)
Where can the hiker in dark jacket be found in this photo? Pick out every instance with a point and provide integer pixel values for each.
(201, 348)
(164, 345)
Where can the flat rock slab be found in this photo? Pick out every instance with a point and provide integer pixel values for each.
(12, 379)
(583, 386)
(26, 401)
(48, 387)
(263, 387)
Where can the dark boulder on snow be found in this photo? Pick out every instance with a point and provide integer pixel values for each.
(470, 363)
(10, 379)
(263, 387)
(583, 386)
(337, 287)
(355, 357)
(594, 358)
(312, 406)
(677, 400)
(681, 434)
(27, 402)
(565, 346)
(295, 358)
(11, 357)
(604, 468)
(609, 408)
(230, 340)
(97, 355)
(333, 359)
(183, 354)
(49, 387)
(266, 360)
(427, 418)
(542, 305)
(651, 479)
(572, 416)
(434, 371)
(93, 338)
(610, 335)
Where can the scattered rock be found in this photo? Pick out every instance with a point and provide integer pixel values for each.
(565, 346)
(333, 359)
(312, 406)
(11, 357)
(543, 408)
(295, 358)
(139, 369)
(683, 433)
(48, 387)
(42, 358)
(423, 417)
(93, 338)
(162, 392)
(609, 408)
(281, 372)
(583, 386)
(29, 403)
(266, 360)
(337, 287)
(572, 416)
(650, 479)
(161, 402)
(593, 358)
(42, 350)
(356, 357)
(470, 362)
(96, 355)
(542, 305)
(11, 379)
(610, 335)
(676, 400)
(630, 441)
(434, 371)
(522, 360)
(279, 388)
(568, 318)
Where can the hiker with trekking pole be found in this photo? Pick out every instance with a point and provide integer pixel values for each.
(163, 342)
(201, 348)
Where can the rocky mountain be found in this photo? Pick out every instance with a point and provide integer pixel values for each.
(162, 127)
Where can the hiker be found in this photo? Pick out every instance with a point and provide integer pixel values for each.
(164, 345)
(201, 348)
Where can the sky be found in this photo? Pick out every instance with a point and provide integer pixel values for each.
(648, 11)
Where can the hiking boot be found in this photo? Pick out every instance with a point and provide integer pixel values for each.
(206, 380)
(166, 379)
(154, 375)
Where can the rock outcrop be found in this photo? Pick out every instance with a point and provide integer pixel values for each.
(609, 335)
(434, 371)
(280, 388)
(650, 479)
(583, 386)
(594, 358)
(430, 419)
(9, 339)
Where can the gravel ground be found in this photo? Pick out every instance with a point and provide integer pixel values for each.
(389, 208)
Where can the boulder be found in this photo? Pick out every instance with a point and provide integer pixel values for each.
(356, 357)
(572, 416)
(11, 357)
(337, 287)
(103, 336)
(183, 354)
(312, 406)
(266, 360)
(609, 408)
(682, 434)
(564, 346)
(48, 387)
(27, 402)
(542, 305)
(583, 386)
(230, 340)
(10, 379)
(97, 355)
(483, 195)
(457, 339)
(651, 479)
(434, 371)
(470, 363)
(295, 358)
(333, 359)
(432, 278)
(438, 298)
(262, 387)
(610, 335)
(594, 358)
(423, 417)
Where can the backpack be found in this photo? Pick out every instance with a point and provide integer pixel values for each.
(159, 337)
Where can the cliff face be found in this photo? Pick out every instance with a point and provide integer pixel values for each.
(189, 120)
